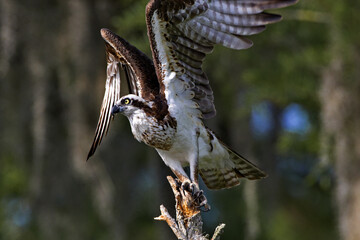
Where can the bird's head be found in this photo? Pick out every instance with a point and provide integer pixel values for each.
(130, 104)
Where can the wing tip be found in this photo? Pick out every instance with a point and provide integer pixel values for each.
(89, 155)
(245, 43)
(105, 32)
(283, 4)
(261, 175)
(109, 36)
(91, 152)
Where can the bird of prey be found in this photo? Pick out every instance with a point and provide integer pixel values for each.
(170, 95)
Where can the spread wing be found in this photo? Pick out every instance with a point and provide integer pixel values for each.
(124, 62)
(182, 32)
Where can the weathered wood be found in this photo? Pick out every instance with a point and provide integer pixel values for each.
(188, 223)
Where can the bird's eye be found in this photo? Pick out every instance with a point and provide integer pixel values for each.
(126, 101)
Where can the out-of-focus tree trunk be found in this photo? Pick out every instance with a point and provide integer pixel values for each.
(8, 39)
(8, 43)
(340, 100)
(80, 38)
(51, 184)
(60, 62)
(267, 154)
(241, 136)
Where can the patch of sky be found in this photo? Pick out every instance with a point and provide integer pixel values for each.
(295, 119)
(17, 211)
(261, 119)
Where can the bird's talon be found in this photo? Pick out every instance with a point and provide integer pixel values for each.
(199, 199)
(202, 204)
(205, 207)
(198, 194)
(185, 186)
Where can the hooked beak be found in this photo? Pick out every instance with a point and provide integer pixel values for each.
(117, 109)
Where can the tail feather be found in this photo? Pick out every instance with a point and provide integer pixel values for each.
(215, 178)
(243, 167)
(227, 172)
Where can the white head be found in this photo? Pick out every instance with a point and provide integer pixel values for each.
(131, 104)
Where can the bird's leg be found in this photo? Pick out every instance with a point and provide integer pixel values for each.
(199, 197)
(194, 171)
(181, 176)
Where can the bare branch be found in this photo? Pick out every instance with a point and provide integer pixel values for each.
(165, 216)
(188, 223)
(219, 230)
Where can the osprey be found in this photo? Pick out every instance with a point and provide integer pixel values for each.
(170, 95)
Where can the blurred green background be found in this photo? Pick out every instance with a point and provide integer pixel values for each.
(291, 104)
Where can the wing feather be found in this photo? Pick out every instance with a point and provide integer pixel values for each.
(112, 94)
(183, 56)
(233, 29)
(123, 60)
(182, 32)
(187, 42)
(223, 38)
(243, 20)
(247, 6)
(191, 53)
(198, 79)
(195, 70)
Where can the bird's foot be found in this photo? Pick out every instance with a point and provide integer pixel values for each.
(198, 195)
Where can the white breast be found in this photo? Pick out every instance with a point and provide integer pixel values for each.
(146, 129)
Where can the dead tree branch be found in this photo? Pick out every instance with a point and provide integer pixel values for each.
(188, 223)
